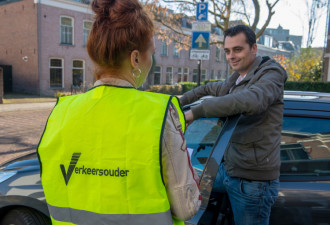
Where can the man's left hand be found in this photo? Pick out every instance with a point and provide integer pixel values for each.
(189, 117)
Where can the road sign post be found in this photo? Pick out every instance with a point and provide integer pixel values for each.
(200, 37)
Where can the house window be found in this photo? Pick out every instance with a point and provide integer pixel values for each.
(175, 52)
(163, 50)
(179, 75)
(87, 29)
(169, 75)
(56, 73)
(217, 54)
(203, 73)
(212, 74)
(195, 74)
(268, 41)
(66, 30)
(219, 74)
(185, 74)
(157, 73)
(77, 73)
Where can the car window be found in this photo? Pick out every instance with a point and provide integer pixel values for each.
(305, 148)
(201, 136)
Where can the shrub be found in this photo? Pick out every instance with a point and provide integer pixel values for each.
(167, 89)
(307, 86)
(187, 86)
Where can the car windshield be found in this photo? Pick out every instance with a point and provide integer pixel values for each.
(201, 136)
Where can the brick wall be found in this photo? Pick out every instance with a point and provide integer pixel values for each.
(1, 86)
(52, 48)
(18, 32)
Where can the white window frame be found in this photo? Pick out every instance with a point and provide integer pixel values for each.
(163, 46)
(268, 41)
(203, 74)
(176, 53)
(171, 75)
(62, 60)
(219, 74)
(212, 75)
(195, 74)
(72, 19)
(83, 68)
(160, 75)
(187, 73)
(84, 29)
(180, 74)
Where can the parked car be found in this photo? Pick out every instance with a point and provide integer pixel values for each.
(304, 196)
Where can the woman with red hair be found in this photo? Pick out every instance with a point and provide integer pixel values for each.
(124, 149)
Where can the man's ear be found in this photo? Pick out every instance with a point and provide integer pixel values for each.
(254, 49)
(135, 58)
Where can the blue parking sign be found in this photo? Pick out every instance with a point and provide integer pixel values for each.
(200, 40)
(201, 11)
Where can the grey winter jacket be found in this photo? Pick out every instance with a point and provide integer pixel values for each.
(254, 152)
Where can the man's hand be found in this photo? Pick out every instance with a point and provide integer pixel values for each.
(189, 117)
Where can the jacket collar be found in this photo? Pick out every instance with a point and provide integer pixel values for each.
(113, 82)
(251, 72)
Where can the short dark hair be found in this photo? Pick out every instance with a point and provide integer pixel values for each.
(249, 33)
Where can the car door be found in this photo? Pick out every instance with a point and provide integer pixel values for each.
(304, 196)
(207, 140)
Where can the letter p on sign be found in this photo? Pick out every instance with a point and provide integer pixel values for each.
(201, 12)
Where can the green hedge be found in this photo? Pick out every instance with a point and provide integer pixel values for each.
(175, 89)
(179, 89)
(307, 86)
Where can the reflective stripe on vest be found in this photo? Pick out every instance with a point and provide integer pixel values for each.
(101, 154)
(85, 217)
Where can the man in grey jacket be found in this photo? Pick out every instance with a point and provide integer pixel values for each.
(251, 165)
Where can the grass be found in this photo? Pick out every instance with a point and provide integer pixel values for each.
(14, 98)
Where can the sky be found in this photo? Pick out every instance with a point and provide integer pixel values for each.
(292, 15)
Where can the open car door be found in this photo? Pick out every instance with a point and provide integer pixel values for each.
(208, 139)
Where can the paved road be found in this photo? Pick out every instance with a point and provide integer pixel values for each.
(21, 126)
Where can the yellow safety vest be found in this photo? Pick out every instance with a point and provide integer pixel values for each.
(100, 158)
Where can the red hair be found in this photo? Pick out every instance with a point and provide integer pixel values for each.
(120, 27)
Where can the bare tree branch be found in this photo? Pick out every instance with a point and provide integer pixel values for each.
(221, 11)
(270, 14)
(256, 14)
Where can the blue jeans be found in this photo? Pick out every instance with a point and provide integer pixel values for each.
(251, 201)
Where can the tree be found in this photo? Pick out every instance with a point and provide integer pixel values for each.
(314, 12)
(304, 67)
(221, 12)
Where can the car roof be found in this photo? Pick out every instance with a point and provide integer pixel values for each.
(298, 103)
(307, 96)
(307, 104)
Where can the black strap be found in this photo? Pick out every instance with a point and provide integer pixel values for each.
(264, 59)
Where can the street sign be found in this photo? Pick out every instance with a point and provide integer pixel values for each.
(199, 54)
(200, 40)
(201, 13)
(201, 26)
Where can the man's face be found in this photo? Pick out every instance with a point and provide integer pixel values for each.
(239, 54)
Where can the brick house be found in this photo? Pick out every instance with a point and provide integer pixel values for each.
(44, 43)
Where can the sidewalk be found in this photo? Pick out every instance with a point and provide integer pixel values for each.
(26, 106)
(21, 128)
